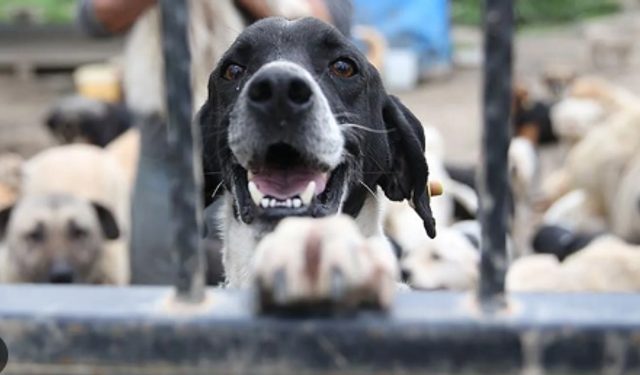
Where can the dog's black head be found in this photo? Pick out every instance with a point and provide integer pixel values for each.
(298, 123)
(561, 242)
(77, 119)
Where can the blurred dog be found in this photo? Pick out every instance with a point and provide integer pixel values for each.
(573, 118)
(602, 176)
(624, 210)
(451, 261)
(561, 241)
(557, 78)
(600, 162)
(79, 119)
(531, 118)
(607, 264)
(587, 104)
(56, 238)
(71, 221)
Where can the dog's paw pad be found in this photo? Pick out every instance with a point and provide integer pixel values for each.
(314, 263)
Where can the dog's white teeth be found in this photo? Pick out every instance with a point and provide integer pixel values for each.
(268, 202)
(308, 193)
(256, 195)
(250, 176)
(265, 202)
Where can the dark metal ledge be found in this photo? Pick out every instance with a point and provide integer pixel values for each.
(104, 330)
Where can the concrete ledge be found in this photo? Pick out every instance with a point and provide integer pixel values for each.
(107, 330)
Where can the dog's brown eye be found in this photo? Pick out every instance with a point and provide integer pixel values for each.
(36, 235)
(343, 68)
(233, 72)
(76, 232)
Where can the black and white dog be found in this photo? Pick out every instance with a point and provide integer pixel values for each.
(298, 126)
(80, 119)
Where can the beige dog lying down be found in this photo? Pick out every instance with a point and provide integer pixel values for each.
(604, 167)
(607, 265)
(71, 221)
(448, 262)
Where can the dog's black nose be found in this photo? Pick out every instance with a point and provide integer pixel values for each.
(60, 272)
(405, 275)
(274, 90)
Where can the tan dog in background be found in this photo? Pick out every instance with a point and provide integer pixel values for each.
(57, 238)
(71, 221)
(608, 264)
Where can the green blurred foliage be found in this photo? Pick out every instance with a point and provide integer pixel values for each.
(467, 12)
(537, 12)
(48, 11)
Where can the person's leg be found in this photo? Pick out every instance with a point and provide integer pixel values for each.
(151, 238)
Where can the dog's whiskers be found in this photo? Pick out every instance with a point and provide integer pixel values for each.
(220, 150)
(215, 191)
(211, 134)
(375, 196)
(344, 114)
(364, 128)
(238, 32)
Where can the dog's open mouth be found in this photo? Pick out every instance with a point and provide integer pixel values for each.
(288, 183)
(295, 188)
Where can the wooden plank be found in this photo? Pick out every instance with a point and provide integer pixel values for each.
(30, 49)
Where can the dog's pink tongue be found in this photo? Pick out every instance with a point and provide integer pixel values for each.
(283, 184)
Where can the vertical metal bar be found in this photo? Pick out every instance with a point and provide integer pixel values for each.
(493, 174)
(184, 142)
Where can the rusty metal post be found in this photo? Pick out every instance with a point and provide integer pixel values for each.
(184, 142)
(493, 184)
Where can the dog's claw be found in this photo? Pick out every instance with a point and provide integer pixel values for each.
(280, 287)
(337, 284)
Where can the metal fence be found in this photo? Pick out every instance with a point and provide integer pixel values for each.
(191, 330)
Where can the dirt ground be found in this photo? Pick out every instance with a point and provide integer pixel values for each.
(452, 104)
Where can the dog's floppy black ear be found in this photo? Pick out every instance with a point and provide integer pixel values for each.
(108, 223)
(5, 216)
(210, 166)
(409, 173)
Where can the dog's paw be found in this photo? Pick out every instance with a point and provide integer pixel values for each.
(315, 263)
